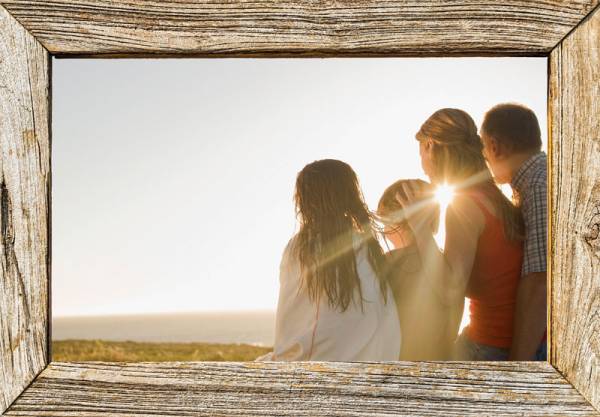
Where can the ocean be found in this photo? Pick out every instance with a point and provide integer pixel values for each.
(252, 327)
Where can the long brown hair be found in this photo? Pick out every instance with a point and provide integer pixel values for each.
(331, 210)
(458, 160)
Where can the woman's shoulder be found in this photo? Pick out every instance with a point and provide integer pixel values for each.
(476, 198)
(289, 257)
(292, 247)
(470, 208)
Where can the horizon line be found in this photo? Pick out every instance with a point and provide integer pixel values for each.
(163, 313)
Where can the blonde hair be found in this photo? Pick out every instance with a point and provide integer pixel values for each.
(389, 210)
(458, 161)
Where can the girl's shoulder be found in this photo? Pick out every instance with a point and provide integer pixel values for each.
(289, 267)
(404, 259)
(291, 243)
(290, 250)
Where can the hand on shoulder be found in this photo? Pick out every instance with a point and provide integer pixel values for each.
(418, 204)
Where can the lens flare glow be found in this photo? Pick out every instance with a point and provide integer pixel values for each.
(443, 195)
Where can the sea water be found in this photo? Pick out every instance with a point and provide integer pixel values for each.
(252, 327)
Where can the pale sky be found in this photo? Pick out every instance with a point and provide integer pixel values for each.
(172, 180)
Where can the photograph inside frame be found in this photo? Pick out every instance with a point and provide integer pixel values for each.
(299, 209)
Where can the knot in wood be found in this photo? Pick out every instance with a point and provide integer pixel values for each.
(592, 232)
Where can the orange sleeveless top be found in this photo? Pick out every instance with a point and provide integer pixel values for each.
(492, 287)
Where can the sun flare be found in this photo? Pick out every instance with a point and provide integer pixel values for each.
(443, 195)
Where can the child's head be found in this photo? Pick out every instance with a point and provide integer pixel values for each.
(508, 131)
(334, 219)
(391, 213)
(327, 191)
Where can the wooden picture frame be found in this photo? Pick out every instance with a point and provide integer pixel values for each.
(567, 32)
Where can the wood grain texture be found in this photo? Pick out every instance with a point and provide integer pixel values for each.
(291, 28)
(574, 98)
(294, 389)
(24, 193)
(313, 28)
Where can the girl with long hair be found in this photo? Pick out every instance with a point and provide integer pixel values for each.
(334, 303)
(483, 252)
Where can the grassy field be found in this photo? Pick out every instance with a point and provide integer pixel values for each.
(107, 351)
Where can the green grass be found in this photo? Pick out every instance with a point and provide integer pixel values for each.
(108, 351)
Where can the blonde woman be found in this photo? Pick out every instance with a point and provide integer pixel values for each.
(334, 303)
(484, 231)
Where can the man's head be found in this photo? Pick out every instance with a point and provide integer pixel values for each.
(510, 134)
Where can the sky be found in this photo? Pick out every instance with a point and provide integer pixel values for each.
(172, 179)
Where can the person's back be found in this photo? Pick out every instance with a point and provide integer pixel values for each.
(481, 249)
(334, 303)
(423, 319)
(512, 141)
(492, 287)
(316, 331)
(428, 326)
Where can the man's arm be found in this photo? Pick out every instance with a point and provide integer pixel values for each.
(530, 313)
(530, 317)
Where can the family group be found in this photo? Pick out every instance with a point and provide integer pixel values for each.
(373, 285)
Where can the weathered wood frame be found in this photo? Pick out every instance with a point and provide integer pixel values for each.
(32, 31)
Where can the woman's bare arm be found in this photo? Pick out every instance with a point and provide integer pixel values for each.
(450, 270)
(464, 224)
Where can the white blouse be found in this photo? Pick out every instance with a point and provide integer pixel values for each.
(307, 331)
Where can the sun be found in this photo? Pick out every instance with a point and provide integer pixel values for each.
(444, 195)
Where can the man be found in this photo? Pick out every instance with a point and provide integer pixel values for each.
(512, 147)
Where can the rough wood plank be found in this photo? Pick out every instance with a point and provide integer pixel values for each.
(575, 240)
(24, 193)
(291, 28)
(294, 389)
